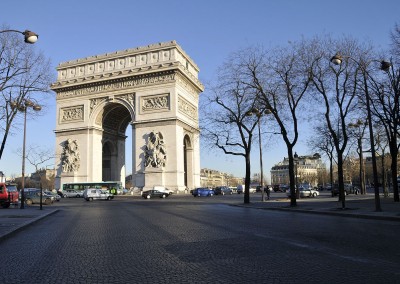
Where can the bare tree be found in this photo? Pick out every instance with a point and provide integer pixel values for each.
(226, 123)
(338, 87)
(37, 156)
(322, 141)
(24, 74)
(386, 104)
(280, 82)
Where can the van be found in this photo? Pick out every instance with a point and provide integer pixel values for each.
(94, 193)
(241, 189)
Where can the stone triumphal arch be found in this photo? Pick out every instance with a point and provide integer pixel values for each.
(152, 89)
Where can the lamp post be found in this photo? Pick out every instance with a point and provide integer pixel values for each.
(259, 114)
(23, 107)
(29, 37)
(361, 127)
(296, 163)
(337, 60)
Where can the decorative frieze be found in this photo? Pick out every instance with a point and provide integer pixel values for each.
(155, 103)
(130, 98)
(187, 108)
(71, 114)
(115, 85)
(94, 103)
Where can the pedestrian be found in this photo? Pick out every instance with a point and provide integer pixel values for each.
(268, 191)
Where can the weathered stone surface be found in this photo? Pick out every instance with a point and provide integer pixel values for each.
(153, 89)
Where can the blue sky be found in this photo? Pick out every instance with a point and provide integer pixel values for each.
(208, 30)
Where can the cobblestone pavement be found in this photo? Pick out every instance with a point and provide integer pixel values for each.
(13, 219)
(184, 239)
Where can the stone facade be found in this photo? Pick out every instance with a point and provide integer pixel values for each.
(213, 178)
(308, 169)
(153, 89)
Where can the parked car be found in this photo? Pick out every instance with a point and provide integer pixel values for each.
(72, 193)
(348, 189)
(154, 193)
(33, 197)
(241, 188)
(305, 192)
(8, 195)
(222, 190)
(91, 194)
(203, 191)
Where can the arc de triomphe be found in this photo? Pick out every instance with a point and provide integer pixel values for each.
(153, 89)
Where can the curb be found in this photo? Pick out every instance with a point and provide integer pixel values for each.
(19, 227)
(329, 213)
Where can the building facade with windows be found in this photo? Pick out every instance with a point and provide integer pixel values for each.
(308, 169)
(213, 178)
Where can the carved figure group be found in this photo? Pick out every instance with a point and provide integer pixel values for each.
(155, 153)
(70, 157)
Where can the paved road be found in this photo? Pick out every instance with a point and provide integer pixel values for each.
(187, 240)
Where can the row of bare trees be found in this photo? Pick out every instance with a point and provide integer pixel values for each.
(25, 74)
(299, 83)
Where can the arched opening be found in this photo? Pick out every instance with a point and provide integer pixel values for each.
(187, 161)
(106, 163)
(115, 120)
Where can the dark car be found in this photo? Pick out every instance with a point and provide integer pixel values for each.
(203, 191)
(348, 189)
(154, 193)
(280, 188)
(33, 197)
(222, 190)
(266, 188)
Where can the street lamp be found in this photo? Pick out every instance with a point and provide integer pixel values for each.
(258, 113)
(360, 125)
(296, 163)
(23, 107)
(337, 59)
(29, 37)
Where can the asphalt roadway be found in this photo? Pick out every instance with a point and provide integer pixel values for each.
(14, 219)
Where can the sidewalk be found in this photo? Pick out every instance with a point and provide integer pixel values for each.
(357, 206)
(14, 219)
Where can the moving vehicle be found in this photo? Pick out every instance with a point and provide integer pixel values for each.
(8, 195)
(163, 189)
(266, 188)
(222, 190)
(113, 187)
(91, 194)
(154, 193)
(280, 188)
(241, 189)
(348, 189)
(72, 193)
(55, 196)
(202, 191)
(305, 192)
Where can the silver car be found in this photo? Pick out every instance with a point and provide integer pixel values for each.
(54, 196)
(72, 193)
(306, 192)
